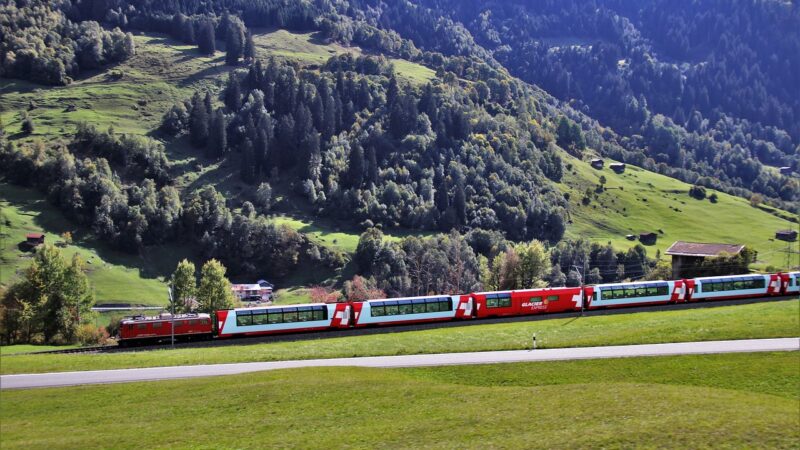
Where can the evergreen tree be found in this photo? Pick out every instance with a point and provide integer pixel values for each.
(460, 202)
(198, 122)
(215, 291)
(184, 285)
(234, 41)
(355, 169)
(233, 93)
(206, 41)
(249, 47)
(248, 162)
(372, 165)
(218, 139)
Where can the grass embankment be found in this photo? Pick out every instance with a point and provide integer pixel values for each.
(640, 201)
(115, 276)
(733, 400)
(766, 320)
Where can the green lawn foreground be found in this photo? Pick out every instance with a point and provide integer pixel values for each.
(761, 320)
(698, 401)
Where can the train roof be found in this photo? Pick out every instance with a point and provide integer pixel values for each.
(299, 305)
(547, 289)
(751, 276)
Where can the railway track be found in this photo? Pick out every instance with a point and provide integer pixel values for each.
(251, 340)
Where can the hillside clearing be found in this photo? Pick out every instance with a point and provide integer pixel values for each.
(639, 201)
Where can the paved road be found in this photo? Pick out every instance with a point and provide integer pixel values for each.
(166, 373)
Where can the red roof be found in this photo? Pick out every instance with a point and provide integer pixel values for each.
(681, 248)
(34, 235)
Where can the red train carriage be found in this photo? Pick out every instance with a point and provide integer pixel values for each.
(790, 282)
(527, 301)
(141, 329)
(282, 319)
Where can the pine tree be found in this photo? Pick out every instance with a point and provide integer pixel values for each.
(234, 41)
(206, 41)
(233, 94)
(355, 170)
(218, 139)
(372, 165)
(198, 122)
(248, 161)
(249, 47)
(460, 202)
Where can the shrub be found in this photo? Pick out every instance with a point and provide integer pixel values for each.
(88, 334)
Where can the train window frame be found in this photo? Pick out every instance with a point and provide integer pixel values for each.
(158, 325)
(242, 319)
(405, 307)
(536, 300)
(418, 307)
(277, 314)
(392, 308)
(287, 316)
(141, 326)
(552, 298)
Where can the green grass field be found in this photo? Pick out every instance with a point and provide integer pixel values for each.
(115, 276)
(306, 49)
(768, 320)
(720, 401)
(641, 201)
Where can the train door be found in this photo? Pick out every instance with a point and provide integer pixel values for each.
(688, 288)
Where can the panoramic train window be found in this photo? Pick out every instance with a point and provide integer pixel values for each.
(498, 300)
(416, 306)
(633, 291)
(244, 318)
(732, 284)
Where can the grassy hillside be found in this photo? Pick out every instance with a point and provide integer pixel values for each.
(736, 400)
(115, 276)
(765, 320)
(640, 201)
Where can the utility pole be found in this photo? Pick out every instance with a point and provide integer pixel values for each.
(172, 316)
(583, 283)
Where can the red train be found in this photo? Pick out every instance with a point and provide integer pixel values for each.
(136, 330)
(437, 308)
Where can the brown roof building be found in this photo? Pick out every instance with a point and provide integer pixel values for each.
(689, 254)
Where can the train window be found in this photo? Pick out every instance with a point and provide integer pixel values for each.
(433, 305)
(536, 300)
(406, 308)
(552, 298)
(491, 301)
(177, 323)
(275, 316)
(141, 326)
(504, 300)
(630, 292)
(418, 307)
(290, 316)
(641, 292)
(319, 313)
(244, 319)
(260, 319)
(609, 294)
(157, 324)
(391, 309)
(739, 284)
(729, 286)
(378, 311)
(305, 316)
(652, 290)
(594, 296)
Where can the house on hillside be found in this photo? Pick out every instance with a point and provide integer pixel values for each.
(34, 239)
(597, 163)
(786, 170)
(686, 255)
(253, 292)
(786, 235)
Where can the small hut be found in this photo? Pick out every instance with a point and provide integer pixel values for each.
(786, 235)
(597, 163)
(34, 239)
(648, 238)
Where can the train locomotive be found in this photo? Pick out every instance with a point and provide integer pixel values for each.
(439, 308)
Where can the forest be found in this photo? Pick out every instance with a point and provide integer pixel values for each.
(474, 154)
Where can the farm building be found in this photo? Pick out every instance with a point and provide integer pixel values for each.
(597, 163)
(786, 235)
(34, 239)
(786, 170)
(689, 254)
(260, 292)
